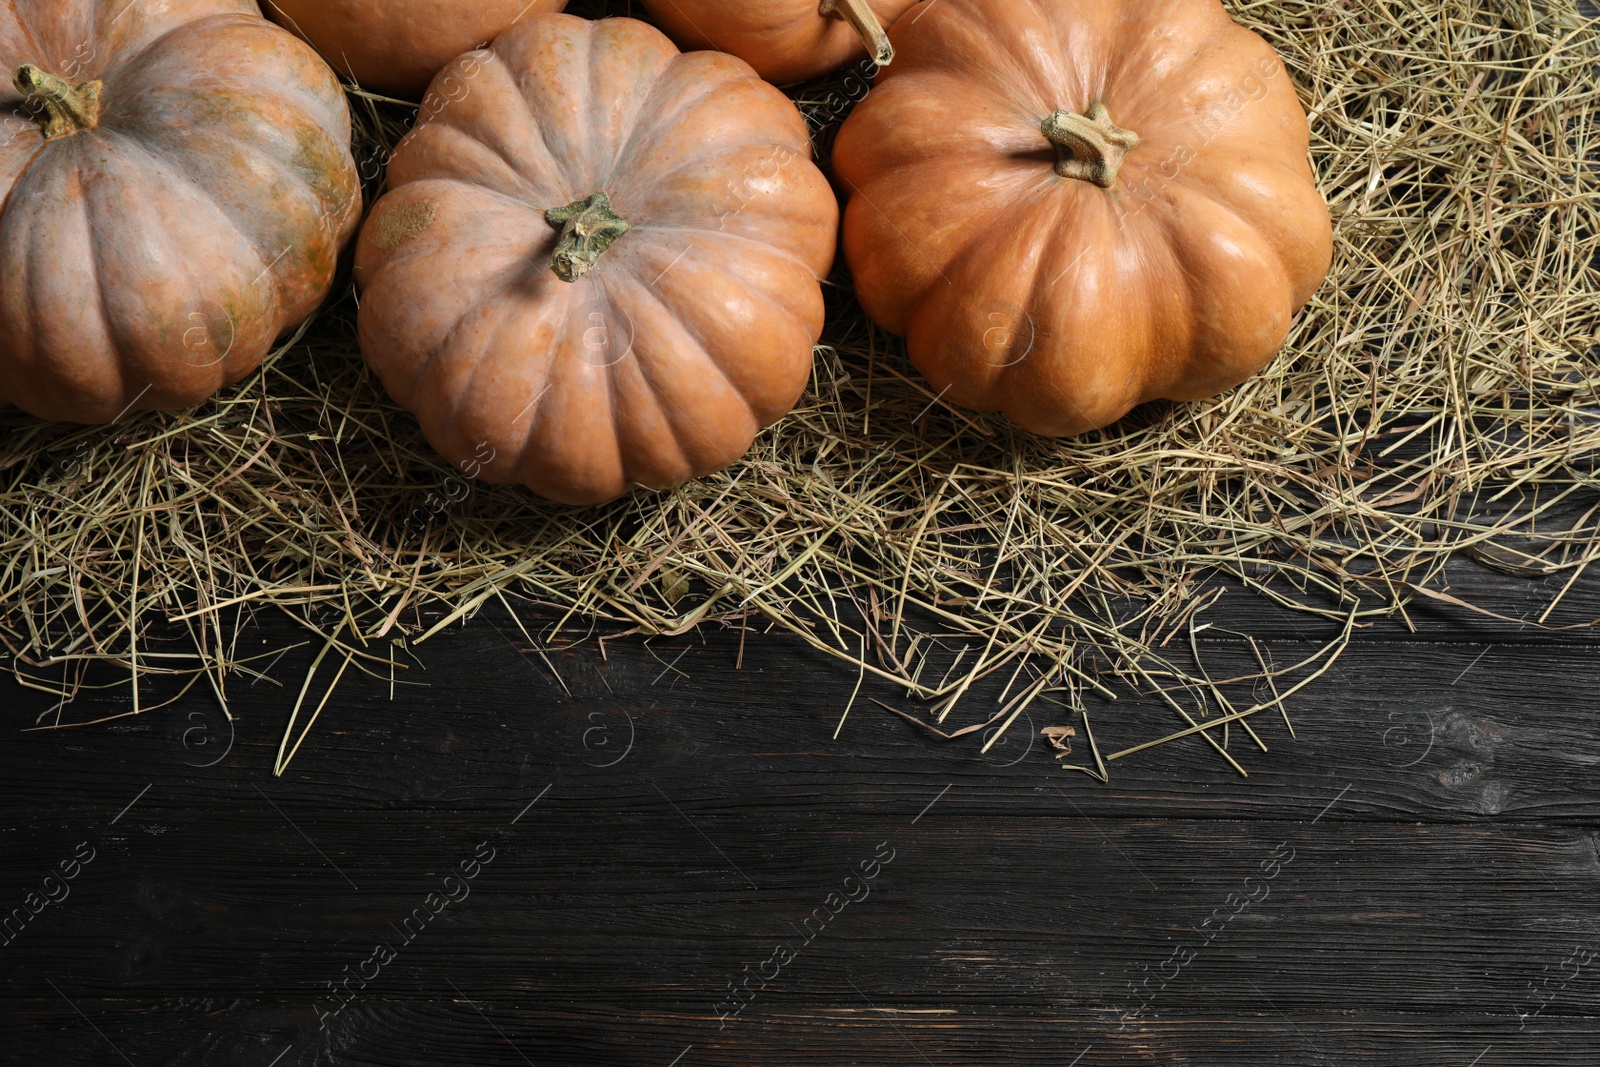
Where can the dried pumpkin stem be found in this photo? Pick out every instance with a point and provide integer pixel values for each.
(59, 107)
(588, 227)
(1089, 147)
(859, 13)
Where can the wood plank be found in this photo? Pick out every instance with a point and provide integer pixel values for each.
(1452, 874)
(857, 1030)
(1438, 731)
(506, 1031)
(665, 902)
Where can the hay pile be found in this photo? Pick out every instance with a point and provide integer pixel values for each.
(1438, 397)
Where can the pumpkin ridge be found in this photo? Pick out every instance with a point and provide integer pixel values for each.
(315, 164)
(451, 336)
(608, 376)
(676, 437)
(33, 45)
(1180, 308)
(659, 217)
(705, 92)
(473, 126)
(326, 109)
(107, 24)
(458, 186)
(536, 405)
(449, 143)
(654, 296)
(159, 162)
(135, 56)
(503, 333)
(229, 295)
(1169, 220)
(1039, 200)
(97, 276)
(997, 75)
(538, 445)
(404, 392)
(663, 177)
(466, 186)
(1223, 34)
(715, 264)
(1034, 195)
(657, 229)
(575, 164)
(612, 34)
(1252, 238)
(1234, 211)
(378, 274)
(792, 316)
(658, 395)
(293, 184)
(998, 112)
(14, 341)
(1181, 128)
(556, 162)
(10, 342)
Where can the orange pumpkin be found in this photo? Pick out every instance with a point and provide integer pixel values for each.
(599, 267)
(177, 184)
(1069, 207)
(785, 40)
(395, 47)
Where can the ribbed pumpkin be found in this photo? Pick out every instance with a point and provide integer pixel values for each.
(1069, 207)
(395, 47)
(599, 268)
(177, 184)
(784, 40)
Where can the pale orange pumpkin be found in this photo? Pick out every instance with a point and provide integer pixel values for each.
(784, 40)
(597, 268)
(177, 185)
(1069, 207)
(395, 47)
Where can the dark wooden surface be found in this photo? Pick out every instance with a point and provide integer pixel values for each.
(1436, 899)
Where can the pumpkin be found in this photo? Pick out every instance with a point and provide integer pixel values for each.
(177, 185)
(395, 47)
(599, 268)
(784, 40)
(1069, 207)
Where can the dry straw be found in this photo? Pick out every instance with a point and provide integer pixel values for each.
(1436, 399)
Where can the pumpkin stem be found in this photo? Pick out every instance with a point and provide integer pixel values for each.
(1089, 147)
(59, 107)
(859, 14)
(588, 227)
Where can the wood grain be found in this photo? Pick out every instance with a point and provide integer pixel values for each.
(1435, 897)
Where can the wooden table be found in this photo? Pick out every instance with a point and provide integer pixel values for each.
(663, 859)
